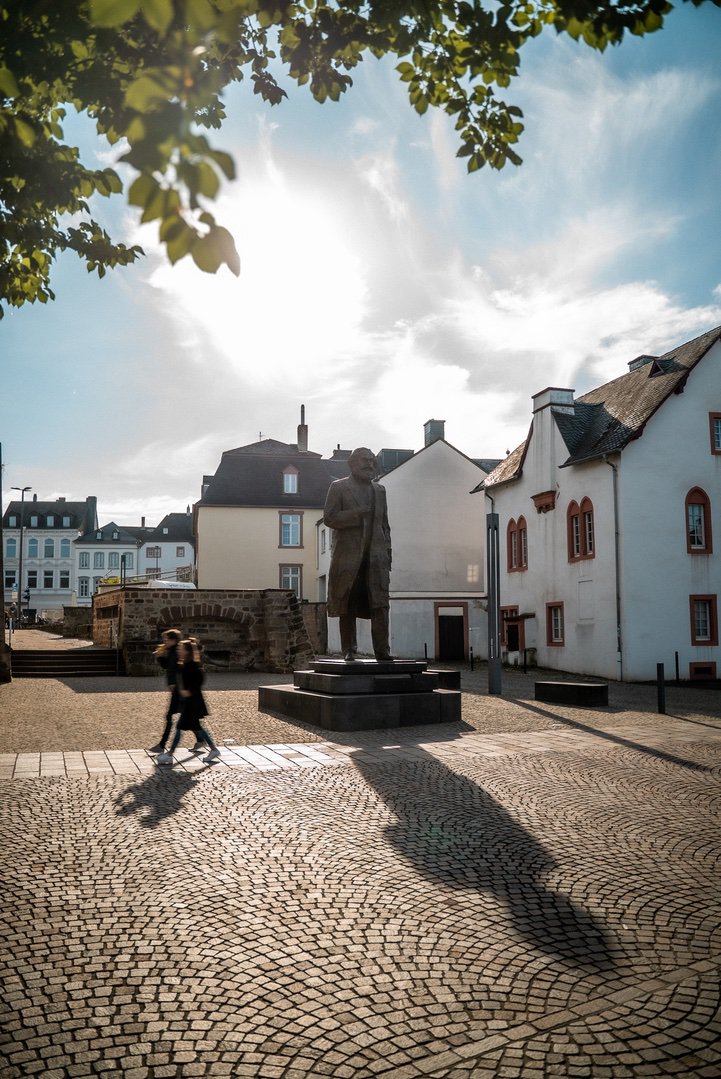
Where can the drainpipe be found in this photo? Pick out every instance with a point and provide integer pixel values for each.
(616, 545)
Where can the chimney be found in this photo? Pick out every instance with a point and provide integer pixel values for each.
(35, 498)
(302, 432)
(641, 361)
(434, 430)
(61, 498)
(91, 513)
(142, 522)
(561, 400)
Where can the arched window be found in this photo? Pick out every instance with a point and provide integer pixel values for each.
(32, 548)
(698, 522)
(580, 530)
(522, 533)
(65, 548)
(511, 546)
(49, 548)
(11, 547)
(517, 545)
(588, 536)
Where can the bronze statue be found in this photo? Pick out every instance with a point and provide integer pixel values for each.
(360, 561)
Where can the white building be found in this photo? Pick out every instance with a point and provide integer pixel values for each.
(106, 553)
(607, 516)
(168, 551)
(437, 593)
(49, 529)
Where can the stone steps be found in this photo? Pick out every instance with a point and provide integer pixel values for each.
(65, 663)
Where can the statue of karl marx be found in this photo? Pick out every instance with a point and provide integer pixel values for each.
(360, 563)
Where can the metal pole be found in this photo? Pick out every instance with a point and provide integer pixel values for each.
(470, 654)
(22, 491)
(494, 603)
(661, 689)
(678, 678)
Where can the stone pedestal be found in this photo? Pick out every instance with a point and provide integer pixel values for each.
(365, 694)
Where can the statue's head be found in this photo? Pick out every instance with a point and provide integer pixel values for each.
(362, 463)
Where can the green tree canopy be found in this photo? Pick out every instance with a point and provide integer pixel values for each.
(151, 74)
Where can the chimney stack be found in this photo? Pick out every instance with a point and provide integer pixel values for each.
(302, 432)
(142, 522)
(434, 430)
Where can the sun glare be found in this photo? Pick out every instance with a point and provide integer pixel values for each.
(300, 297)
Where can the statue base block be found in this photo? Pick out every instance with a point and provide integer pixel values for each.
(366, 695)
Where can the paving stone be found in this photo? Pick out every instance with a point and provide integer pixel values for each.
(536, 902)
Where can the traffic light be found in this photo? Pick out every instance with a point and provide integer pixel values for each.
(26, 597)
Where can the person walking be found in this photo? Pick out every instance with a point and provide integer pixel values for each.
(193, 707)
(167, 656)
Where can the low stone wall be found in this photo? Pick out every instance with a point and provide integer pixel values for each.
(78, 622)
(240, 629)
(316, 624)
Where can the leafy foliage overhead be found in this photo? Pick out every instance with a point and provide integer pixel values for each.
(151, 74)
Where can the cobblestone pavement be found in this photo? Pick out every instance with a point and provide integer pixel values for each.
(534, 892)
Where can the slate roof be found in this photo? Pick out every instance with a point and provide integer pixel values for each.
(76, 511)
(609, 417)
(271, 447)
(179, 526)
(126, 534)
(245, 477)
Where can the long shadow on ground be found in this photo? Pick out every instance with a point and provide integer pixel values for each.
(454, 833)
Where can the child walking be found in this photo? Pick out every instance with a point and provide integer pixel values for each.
(193, 707)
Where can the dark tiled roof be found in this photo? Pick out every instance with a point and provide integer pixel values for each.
(76, 511)
(609, 417)
(179, 526)
(257, 480)
(126, 534)
(271, 447)
(487, 463)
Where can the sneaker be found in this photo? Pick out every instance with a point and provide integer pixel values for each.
(198, 747)
(212, 756)
(157, 749)
(164, 758)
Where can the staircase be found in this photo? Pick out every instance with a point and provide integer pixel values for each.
(65, 663)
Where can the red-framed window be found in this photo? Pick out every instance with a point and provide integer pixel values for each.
(517, 545)
(513, 630)
(702, 672)
(704, 620)
(698, 522)
(714, 423)
(555, 625)
(581, 530)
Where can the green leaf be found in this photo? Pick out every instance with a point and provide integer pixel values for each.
(109, 13)
(157, 13)
(8, 85)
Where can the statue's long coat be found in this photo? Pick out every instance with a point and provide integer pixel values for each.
(348, 543)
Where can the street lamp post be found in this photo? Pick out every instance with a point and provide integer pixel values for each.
(22, 491)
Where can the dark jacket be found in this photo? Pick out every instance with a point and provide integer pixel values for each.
(193, 708)
(353, 540)
(169, 662)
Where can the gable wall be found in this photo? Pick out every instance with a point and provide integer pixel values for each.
(437, 528)
(672, 456)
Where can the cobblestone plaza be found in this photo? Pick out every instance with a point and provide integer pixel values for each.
(532, 892)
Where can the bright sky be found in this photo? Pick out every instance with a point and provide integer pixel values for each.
(381, 285)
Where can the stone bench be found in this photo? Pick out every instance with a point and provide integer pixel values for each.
(587, 694)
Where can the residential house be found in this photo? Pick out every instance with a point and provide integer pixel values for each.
(437, 597)
(49, 529)
(109, 552)
(608, 514)
(168, 551)
(255, 523)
